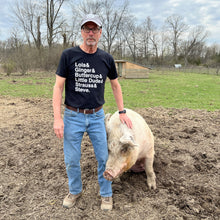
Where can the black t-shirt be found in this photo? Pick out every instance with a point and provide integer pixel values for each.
(85, 76)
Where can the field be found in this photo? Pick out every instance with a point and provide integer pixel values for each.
(169, 89)
(183, 113)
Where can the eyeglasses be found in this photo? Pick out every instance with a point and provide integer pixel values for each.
(94, 30)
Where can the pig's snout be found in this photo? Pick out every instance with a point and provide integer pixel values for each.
(108, 174)
(111, 174)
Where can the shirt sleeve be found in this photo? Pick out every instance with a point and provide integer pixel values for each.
(113, 72)
(62, 69)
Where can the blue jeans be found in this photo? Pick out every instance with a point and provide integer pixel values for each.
(75, 124)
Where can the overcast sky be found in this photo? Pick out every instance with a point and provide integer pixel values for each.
(194, 12)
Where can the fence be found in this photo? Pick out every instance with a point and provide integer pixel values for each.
(191, 69)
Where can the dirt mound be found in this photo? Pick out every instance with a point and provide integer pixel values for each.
(33, 180)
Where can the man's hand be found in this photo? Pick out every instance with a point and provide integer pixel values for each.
(125, 119)
(58, 128)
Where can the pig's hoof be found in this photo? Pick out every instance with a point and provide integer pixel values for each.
(107, 175)
(151, 183)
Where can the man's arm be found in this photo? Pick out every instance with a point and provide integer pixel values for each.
(116, 88)
(57, 100)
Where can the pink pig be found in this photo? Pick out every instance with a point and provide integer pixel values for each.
(129, 148)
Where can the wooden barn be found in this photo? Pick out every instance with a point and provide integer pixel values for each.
(131, 70)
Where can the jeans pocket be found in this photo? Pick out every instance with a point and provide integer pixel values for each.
(100, 114)
(70, 113)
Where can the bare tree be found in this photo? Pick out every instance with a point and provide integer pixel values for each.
(146, 37)
(155, 40)
(164, 40)
(113, 18)
(151, 40)
(212, 56)
(70, 31)
(131, 33)
(90, 7)
(53, 19)
(193, 44)
(177, 27)
(28, 15)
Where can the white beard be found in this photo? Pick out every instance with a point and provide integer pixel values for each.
(90, 43)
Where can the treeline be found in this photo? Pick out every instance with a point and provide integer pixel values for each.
(42, 29)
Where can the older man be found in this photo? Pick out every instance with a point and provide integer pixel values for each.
(83, 70)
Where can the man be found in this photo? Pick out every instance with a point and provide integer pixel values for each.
(83, 70)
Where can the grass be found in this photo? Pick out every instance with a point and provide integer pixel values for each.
(178, 90)
(34, 85)
(172, 89)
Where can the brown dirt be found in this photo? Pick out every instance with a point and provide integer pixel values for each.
(33, 179)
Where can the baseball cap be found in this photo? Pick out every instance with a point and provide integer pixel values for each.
(93, 18)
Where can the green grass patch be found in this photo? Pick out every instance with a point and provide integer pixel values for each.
(30, 85)
(177, 90)
(173, 89)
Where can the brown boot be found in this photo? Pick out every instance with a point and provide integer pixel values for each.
(107, 203)
(70, 200)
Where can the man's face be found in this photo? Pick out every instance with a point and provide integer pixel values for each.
(91, 33)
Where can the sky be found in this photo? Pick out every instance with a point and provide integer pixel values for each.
(194, 13)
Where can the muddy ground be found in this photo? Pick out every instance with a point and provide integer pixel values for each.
(33, 179)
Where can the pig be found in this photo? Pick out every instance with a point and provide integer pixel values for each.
(129, 149)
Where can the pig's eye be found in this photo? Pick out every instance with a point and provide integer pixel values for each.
(124, 150)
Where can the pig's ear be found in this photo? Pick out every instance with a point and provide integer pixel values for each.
(107, 118)
(128, 139)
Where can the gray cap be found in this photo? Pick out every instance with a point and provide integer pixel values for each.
(91, 18)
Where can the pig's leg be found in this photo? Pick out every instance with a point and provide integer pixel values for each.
(151, 178)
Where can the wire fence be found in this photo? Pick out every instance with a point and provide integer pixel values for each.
(191, 69)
